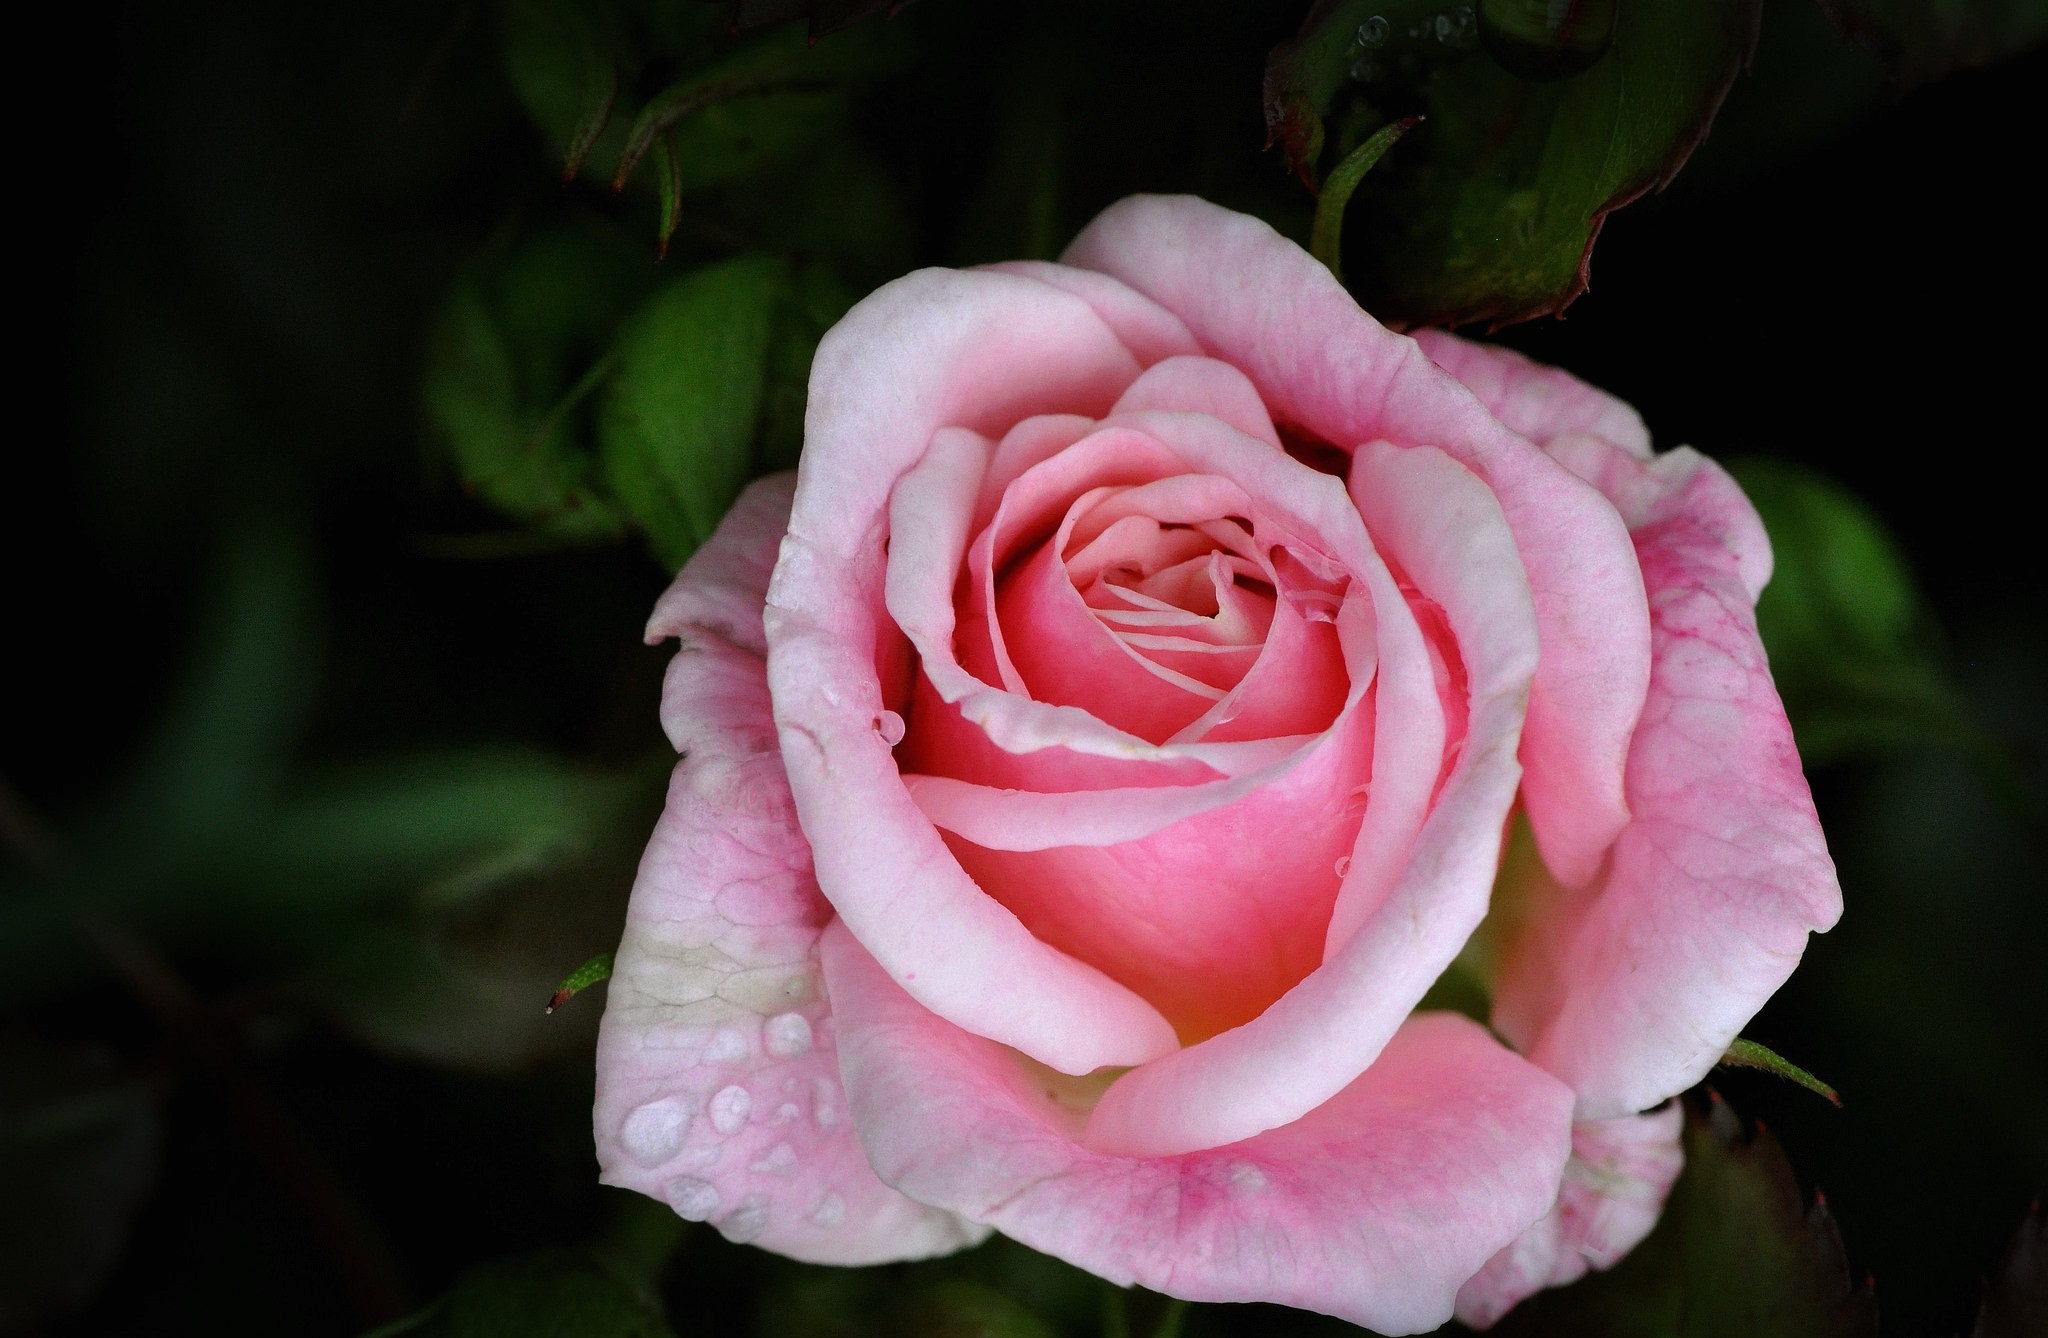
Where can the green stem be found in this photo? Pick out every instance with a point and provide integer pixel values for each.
(1326, 234)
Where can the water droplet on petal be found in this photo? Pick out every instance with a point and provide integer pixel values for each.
(778, 1160)
(700, 1157)
(745, 1222)
(787, 1035)
(788, 1113)
(830, 1212)
(654, 1133)
(890, 726)
(1343, 865)
(1246, 1176)
(730, 1108)
(693, 1199)
(729, 1046)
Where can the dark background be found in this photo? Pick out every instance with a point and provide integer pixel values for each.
(239, 222)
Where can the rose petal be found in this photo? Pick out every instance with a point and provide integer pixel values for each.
(718, 1088)
(1201, 385)
(1632, 990)
(1614, 1189)
(1261, 303)
(1151, 332)
(1327, 1029)
(1542, 403)
(1374, 1208)
(931, 350)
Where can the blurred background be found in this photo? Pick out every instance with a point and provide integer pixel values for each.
(333, 741)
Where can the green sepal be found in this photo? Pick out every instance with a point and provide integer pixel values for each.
(582, 978)
(1745, 1054)
(1326, 233)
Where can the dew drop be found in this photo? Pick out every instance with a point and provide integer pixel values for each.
(654, 1133)
(830, 1212)
(730, 1108)
(1373, 32)
(745, 1222)
(1343, 865)
(1246, 1176)
(729, 1046)
(693, 1199)
(890, 726)
(787, 1035)
(788, 1113)
(778, 1160)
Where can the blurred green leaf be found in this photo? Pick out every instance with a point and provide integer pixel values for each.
(1738, 1251)
(546, 1294)
(679, 420)
(521, 347)
(1920, 40)
(1489, 210)
(1849, 636)
(78, 1152)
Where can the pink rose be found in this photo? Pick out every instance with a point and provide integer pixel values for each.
(1094, 753)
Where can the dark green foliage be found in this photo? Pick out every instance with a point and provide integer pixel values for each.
(1739, 1251)
(1488, 211)
(549, 1294)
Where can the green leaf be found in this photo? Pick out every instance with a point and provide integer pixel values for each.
(679, 421)
(519, 351)
(1920, 40)
(782, 63)
(547, 1294)
(1745, 1054)
(1738, 1251)
(956, 1308)
(1490, 209)
(559, 57)
(1852, 645)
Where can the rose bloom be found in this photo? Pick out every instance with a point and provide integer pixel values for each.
(1129, 709)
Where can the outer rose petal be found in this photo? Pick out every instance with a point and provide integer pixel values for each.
(933, 349)
(1374, 1207)
(1613, 1192)
(1542, 403)
(1261, 303)
(718, 1087)
(1631, 990)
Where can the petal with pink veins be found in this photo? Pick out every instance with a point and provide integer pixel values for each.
(1542, 403)
(718, 1087)
(1632, 989)
(1375, 1207)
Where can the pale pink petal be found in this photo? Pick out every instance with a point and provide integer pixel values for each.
(931, 350)
(1423, 892)
(1631, 990)
(1259, 302)
(1024, 447)
(1542, 403)
(1201, 385)
(718, 1088)
(1374, 1207)
(1148, 330)
(1614, 1189)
